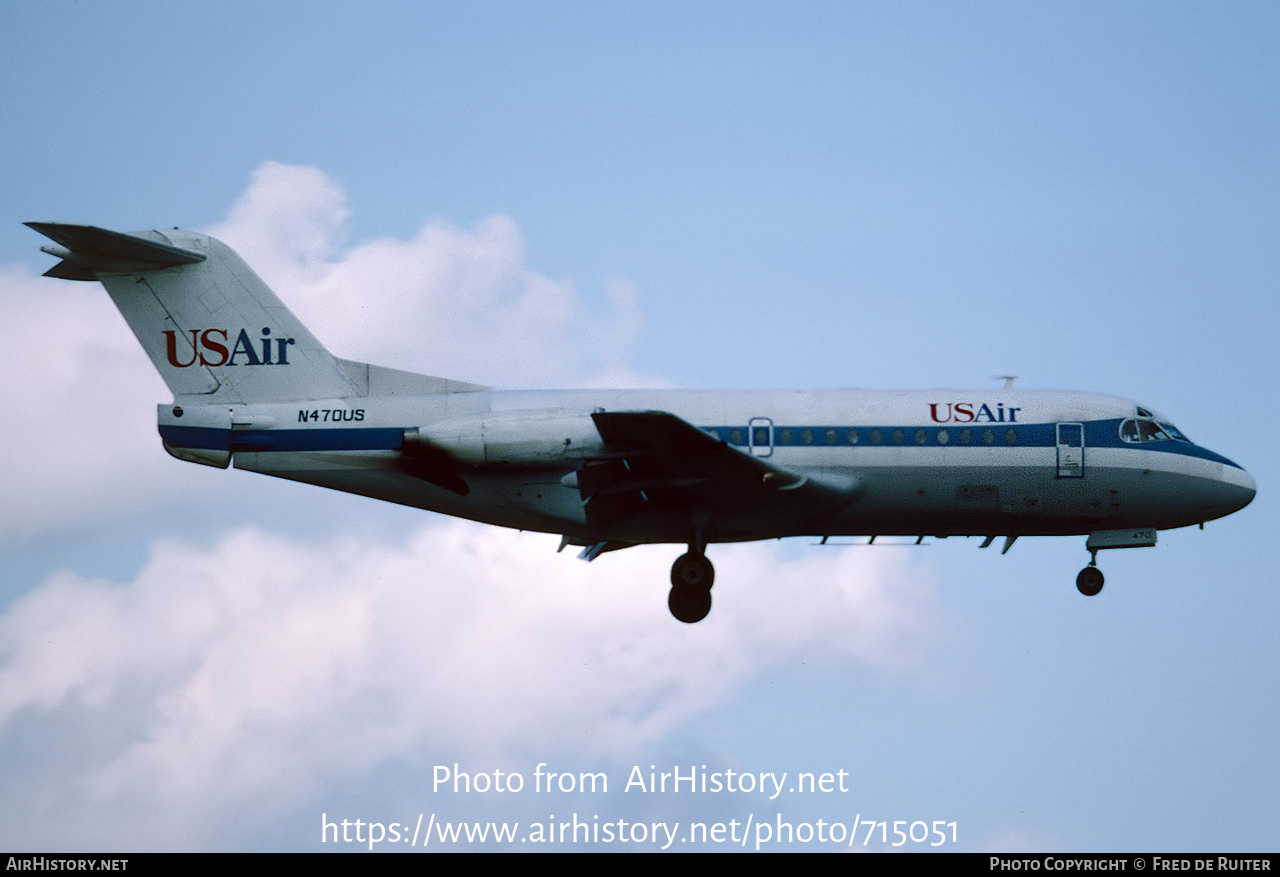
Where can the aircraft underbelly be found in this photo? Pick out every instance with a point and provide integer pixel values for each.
(524, 502)
(928, 500)
(1018, 500)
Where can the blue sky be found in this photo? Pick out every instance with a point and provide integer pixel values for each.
(590, 194)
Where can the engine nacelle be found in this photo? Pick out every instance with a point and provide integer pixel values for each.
(528, 439)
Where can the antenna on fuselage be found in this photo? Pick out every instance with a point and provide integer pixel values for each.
(1008, 380)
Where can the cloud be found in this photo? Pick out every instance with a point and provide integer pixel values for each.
(83, 395)
(288, 216)
(258, 670)
(456, 302)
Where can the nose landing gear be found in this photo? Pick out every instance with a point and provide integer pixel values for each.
(691, 578)
(1090, 580)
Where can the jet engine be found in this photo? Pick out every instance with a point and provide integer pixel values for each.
(510, 440)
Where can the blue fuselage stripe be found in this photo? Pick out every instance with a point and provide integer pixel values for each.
(361, 439)
(1098, 434)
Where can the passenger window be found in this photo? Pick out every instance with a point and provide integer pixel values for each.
(853, 436)
(943, 437)
(921, 438)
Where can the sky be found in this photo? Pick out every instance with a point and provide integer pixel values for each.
(564, 194)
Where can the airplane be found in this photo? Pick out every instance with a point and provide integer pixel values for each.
(608, 470)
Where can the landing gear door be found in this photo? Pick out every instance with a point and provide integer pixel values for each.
(1070, 450)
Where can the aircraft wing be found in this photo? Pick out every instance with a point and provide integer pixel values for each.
(657, 462)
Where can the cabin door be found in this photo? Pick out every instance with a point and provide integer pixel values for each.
(1070, 450)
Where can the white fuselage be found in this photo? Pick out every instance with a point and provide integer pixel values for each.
(923, 462)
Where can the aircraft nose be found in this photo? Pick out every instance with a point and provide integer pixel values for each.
(1236, 489)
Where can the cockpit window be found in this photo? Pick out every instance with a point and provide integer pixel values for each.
(1140, 429)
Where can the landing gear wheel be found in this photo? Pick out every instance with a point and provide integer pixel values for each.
(691, 578)
(689, 605)
(692, 571)
(1090, 580)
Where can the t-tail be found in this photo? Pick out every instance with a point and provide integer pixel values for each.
(212, 328)
(217, 334)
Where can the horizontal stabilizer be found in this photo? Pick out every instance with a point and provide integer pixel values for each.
(87, 251)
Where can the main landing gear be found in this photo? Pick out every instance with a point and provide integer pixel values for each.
(691, 578)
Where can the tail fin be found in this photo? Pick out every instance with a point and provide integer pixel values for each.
(210, 325)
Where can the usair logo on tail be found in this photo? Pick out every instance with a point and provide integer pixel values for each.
(209, 347)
